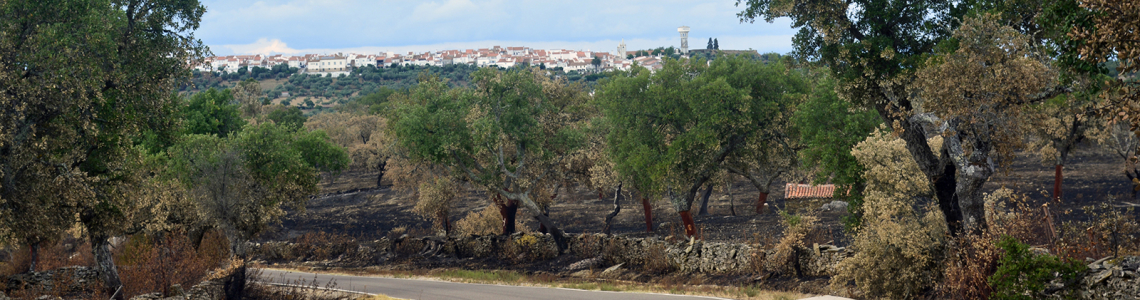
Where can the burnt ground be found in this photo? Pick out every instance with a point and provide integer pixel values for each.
(353, 205)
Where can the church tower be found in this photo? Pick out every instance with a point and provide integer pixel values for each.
(621, 50)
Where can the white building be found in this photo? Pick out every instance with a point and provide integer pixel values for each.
(332, 63)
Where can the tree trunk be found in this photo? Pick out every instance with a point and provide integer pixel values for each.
(105, 265)
(972, 172)
(612, 214)
(508, 209)
(559, 237)
(444, 222)
(938, 169)
(1057, 184)
(944, 190)
(542, 227)
(705, 201)
(35, 252)
(382, 165)
(731, 201)
(546, 211)
(690, 226)
(969, 194)
(760, 200)
(648, 214)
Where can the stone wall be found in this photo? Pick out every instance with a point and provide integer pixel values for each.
(1110, 278)
(1105, 279)
(697, 257)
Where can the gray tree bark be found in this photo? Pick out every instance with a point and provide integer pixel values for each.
(705, 201)
(612, 214)
(105, 265)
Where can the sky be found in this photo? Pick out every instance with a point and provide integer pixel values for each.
(359, 26)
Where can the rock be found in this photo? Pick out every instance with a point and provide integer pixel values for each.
(588, 263)
(151, 296)
(835, 205)
(1099, 277)
(613, 271)
(1097, 264)
(1038, 251)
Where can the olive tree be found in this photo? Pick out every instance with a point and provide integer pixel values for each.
(672, 131)
(240, 184)
(506, 134)
(362, 135)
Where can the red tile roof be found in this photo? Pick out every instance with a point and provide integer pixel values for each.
(802, 191)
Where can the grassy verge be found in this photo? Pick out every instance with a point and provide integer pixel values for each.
(506, 277)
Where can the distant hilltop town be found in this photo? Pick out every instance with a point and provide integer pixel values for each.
(568, 60)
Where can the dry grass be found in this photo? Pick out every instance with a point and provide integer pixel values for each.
(153, 264)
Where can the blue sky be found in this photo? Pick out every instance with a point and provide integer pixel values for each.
(326, 26)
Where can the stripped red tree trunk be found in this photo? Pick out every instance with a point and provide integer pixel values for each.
(648, 214)
(763, 198)
(508, 209)
(690, 226)
(1057, 184)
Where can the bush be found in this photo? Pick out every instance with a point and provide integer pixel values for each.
(796, 230)
(970, 263)
(153, 264)
(1021, 274)
(899, 249)
(486, 221)
(323, 246)
(434, 202)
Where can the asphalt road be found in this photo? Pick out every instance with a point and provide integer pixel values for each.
(428, 289)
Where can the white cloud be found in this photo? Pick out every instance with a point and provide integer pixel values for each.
(261, 46)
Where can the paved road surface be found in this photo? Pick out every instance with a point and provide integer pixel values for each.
(427, 289)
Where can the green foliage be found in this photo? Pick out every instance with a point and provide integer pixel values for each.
(671, 130)
(212, 112)
(318, 151)
(1022, 274)
(289, 117)
(789, 219)
(83, 81)
(829, 127)
(506, 134)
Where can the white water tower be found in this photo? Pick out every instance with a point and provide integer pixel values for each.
(684, 30)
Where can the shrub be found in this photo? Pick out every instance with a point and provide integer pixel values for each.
(152, 264)
(323, 246)
(656, 259)
(1022, 274)
(899, 249)
(796, 230)
(1108, 231)
(972, 259)
(434, 202)
(486, 221)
